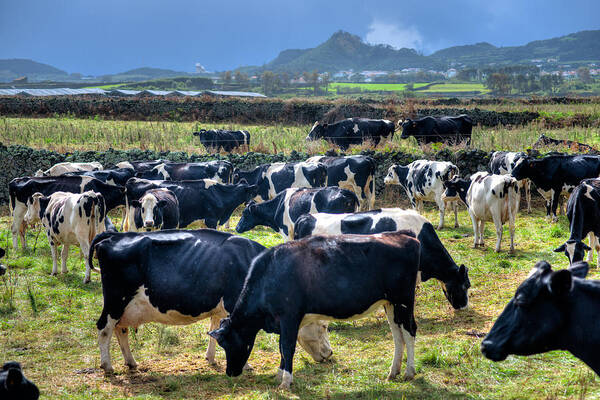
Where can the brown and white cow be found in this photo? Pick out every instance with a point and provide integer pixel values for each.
(68, 218)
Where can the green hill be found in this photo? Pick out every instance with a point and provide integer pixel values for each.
(15, 68)
(143, 74)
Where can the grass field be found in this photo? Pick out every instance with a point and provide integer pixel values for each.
(398, 87)
(455, 88)
(68, 134)
(48, 324)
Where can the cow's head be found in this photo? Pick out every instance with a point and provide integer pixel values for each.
(94, 207)
(457, 287)
(456, 189)
(151, 211)
(248, 220)
(14, 385)
(573, 249)
(36, 206)
(524, 167)
(534, 320)
(409, 128)
(199, 133)
(317, 131)
(396, 175)
(237, 342)
(315, 340)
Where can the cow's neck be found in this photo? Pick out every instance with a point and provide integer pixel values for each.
(583, 333)
(265, 214)
(577, 222)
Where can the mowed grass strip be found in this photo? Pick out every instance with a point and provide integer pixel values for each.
(48, 324)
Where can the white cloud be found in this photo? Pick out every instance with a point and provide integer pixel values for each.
(384, 33)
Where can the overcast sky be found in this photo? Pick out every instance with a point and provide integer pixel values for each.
(109, 36)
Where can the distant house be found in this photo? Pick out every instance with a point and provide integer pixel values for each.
(22, 79)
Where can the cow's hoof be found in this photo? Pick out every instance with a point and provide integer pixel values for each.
(409, 374)
(284, 386)
(247, 367)
(132, 367)
(108, 369)
(440, 227)
(53, 273)
(279, 375)
(391, 376)
(456, 226)
(497, 250)
(86, 280)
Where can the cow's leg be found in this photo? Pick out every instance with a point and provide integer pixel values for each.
(211, 349)
(124, 217)
(287, 342)
(409, 340)
(122, 335)
(398, 342)
(475, 229)
(455, 207)
(17, 227)
(53, 250)
(64, 255)
(554, 204)
(85, 249)
(496, 217)
(404, 318)
(481, 232)
(511, 228)
(442, 206)
(590, 256)
(527, 184)
(106, 326)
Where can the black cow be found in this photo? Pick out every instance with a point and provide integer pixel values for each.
(324, 277)
(583, 211)
(352, 131)
(14, 385)
(202, 199)
(281, 213)
(574, 146)
(216, 139)
(355, 173)
(117, 177)
(273, 178)
(21, 189)
(551, 310)
(503, 162)
(217, 170)
(435, 262)
(438, 129)
(2, 267)
(141, 166)
(556, 174)
(156, 209)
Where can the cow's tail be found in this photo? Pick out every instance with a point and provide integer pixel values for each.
(97, 239)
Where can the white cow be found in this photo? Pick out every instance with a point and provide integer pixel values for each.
(503, 162)
(424, 180)
(68, 218)
(65, 167)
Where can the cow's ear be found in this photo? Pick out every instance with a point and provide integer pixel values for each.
(136, 203)
(14, 378)
(579, 269)
(560, 282)
(463, 271)
(560, 248)
(217, 334)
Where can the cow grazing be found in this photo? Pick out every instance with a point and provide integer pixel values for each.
(199, 200)
(488, 198)
(321, 278)
(141, 166)
(438, 129)
(503, 162)
(424, 180)
(21, 189)
(148, 277)
(571, 145)
(281, 213)
(115, 177)
(65, 167)
(14, 385)
(68, 218)
(355, 173)
(216, 139)
(435, 262)
(555, 174)
(274, 178)
(583, 211)
(352, 131)
(156, 209)
(219, 171)
(2, 267)
(551, 310)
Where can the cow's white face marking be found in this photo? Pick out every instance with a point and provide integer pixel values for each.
(571, 251)
(84, 181)
(314, 339)
(391, 178)
(274, 168)
(148, 202)
(355, 129)
(33, 210)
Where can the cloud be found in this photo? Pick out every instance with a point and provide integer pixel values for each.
(384, 33)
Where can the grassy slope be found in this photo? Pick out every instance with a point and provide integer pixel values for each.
(446, 87)
(56, 339)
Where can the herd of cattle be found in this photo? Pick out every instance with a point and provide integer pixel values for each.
(341, 258)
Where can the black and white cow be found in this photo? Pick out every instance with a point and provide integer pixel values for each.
(14, 385)
(503, 162)
(424, 180)
(352, 131)
(148, 277)
(553, 175)
(321, 278)
(551, 310)
(2, 267)
(216, 139)
(21, 189)
(583, 211)
(435, 262)
(116, 177)
(66, 167)
(156, 209)
(438, 129)
(199, 200)
(355, 173)
(281, 213)
(273, 178)
(544, 140)
(68, 219)
(218, 170)
(141, 166)
(488, 197)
